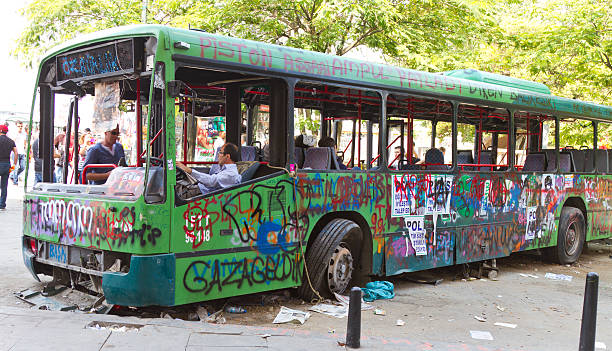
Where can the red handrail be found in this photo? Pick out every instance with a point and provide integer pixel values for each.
(99, 165)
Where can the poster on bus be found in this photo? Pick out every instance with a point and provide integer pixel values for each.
(421, 194)
(415, 225)
(532, 225)
(210, 135)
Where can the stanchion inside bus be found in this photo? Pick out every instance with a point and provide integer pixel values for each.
(589, 313)
(353, 327)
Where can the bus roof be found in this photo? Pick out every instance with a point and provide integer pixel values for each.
(487, 77)
(251, 55)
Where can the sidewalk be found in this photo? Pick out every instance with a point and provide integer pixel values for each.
(25, 329)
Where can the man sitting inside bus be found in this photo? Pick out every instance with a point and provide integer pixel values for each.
(227, 174)
(108, 151)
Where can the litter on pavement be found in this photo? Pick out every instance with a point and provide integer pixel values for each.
(554, 276)
(345, 301)
(481, 335)
(288, 315)
(600, 345)
(378, 290)
(528, 275)
(507, 325)
(330, 310)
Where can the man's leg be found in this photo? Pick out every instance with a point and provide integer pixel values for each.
(21, 166)
(4, 177)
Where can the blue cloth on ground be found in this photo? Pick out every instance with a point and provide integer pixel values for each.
(378, 290)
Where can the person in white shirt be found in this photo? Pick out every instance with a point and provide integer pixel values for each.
(227, 174)
(20, 138)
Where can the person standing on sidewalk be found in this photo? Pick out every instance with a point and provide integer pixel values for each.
(7, 145)
(20, 138)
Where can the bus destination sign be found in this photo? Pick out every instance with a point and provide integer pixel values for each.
(109, 59)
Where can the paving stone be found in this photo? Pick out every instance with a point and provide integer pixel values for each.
(209, 340)
(50, 339)
(150, 337)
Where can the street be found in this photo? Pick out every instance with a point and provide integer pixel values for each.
(546, 312)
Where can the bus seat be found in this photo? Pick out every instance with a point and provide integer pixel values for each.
(602, 160)
(589, 158)
(248, 153)
(334, 159)
(247, 169)
(486, 158)
(551, 159)
(465, 157)
(434, 160)
(299, 156)
(566, 163)
(317, 158)
(578, 158)
(535, 161)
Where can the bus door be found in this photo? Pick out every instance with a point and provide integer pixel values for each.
(239, 239)
(421, 234)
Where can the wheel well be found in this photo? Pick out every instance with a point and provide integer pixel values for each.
(365, 259)
(579, 204)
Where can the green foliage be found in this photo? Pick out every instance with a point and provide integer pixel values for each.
(565, 44)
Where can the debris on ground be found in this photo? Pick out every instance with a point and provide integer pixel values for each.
(114, 327)
(380, 312)
(481, 335)
(202, 313)
(554, 276)
(331, 310)
(289, 315)
(500, 308)
(400, 323)
(235, 309)
(419, 279)
(378, 290)
(528, 275)
(345, 301)
(480, 319)
(216, 318)
(507, 325)
(600, 345)
(265, 336)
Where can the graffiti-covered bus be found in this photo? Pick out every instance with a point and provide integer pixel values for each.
(407, 171)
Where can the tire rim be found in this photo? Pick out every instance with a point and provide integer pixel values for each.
(340, 269)
(571, 239)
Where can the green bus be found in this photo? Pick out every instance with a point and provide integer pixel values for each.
(413, 171)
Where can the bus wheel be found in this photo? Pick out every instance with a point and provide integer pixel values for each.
(332, 260)
(571, 237)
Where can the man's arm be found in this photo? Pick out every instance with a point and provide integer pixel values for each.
(91, 158)
(15, 156)
(208, 180)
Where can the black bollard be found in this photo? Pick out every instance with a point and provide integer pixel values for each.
(589, 313)
(353, 326)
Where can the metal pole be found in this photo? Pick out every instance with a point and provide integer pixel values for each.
(589, 313)
(353, 327)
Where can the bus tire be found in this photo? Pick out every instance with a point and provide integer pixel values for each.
(570, 238)
(332, 260)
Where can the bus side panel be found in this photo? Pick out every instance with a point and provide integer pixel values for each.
(598, 192)
(97, 223)
(497, 214)
(237, 242)
(421, 234)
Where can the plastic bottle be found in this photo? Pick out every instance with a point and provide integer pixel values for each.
(234, 309)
